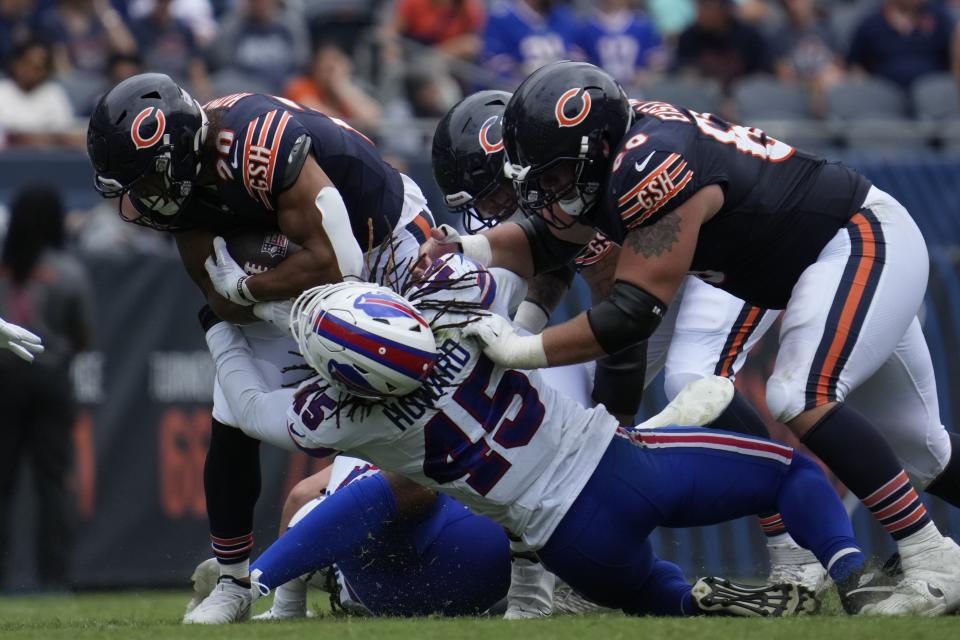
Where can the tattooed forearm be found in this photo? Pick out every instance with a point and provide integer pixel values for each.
(656, 239)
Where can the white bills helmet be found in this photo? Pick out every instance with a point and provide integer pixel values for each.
(363, 339)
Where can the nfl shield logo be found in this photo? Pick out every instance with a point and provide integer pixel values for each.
(275, 245)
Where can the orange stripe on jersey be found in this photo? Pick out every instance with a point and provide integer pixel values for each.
(670, 196)
(742, 333)
(639, 204)
(650, 176)
(423, 224)
(850, 305)
(275, 148)
(246, 157)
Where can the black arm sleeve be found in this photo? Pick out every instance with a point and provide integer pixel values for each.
(627, 316)
(618, 383)
(547, 251)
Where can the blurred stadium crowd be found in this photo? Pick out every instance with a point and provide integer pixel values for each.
(880, 73)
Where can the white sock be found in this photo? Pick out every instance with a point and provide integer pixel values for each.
(781, 538)
(916, 541)
(290, 595)
(238, 570)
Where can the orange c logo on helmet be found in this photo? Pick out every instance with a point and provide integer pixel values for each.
(568, 95)
(490, 147)
(139, 140)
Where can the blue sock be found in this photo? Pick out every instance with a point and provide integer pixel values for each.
(815, 517)
(665, 593)
(352, 516)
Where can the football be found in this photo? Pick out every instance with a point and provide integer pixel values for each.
(260, 250)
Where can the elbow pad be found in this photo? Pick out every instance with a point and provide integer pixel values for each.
(618, 383)
(627, 316)
(547, 251)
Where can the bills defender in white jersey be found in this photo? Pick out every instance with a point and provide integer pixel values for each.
(401, 387)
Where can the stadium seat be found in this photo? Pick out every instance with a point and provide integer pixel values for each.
(884, 134)
(765, 97)
(228, 81)
(866, 98)
(698, 94)
(83, 89)
(936, 96)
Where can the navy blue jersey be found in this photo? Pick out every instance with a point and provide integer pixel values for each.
(781, 205)
(260, 143)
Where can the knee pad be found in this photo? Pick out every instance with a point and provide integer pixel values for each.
(785, 397)
(923, 467)
(675, 381)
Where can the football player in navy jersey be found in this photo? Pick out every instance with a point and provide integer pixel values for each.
(688, 192)
(250, 161)
(708, 335)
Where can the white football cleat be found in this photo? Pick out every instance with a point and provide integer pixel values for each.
(284, 613)
(531, 590)
(909, 597)
(793, 563)
(570, 602)
(698, 404)
(204, 579)
(229, 602)
(720, 596)
(938, 565)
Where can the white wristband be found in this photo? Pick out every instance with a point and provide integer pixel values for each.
(531, 316)
(244, 290)
(477, 248)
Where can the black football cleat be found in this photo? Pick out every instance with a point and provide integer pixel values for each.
(718, 596)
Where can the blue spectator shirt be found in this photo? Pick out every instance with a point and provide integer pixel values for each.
(885, 52)
(517, 40)
(168, 48)
(622, 43)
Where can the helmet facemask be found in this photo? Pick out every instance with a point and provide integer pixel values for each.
(572, 183)
(161, 193)
(496, 202)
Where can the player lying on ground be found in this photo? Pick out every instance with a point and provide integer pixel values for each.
(20, 341)
(420, 399)
(404, 552)
(686, 192)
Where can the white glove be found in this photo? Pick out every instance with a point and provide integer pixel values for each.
(504, 346)
(19, 340)
(228, 278)
(276, 313)
(698, 404)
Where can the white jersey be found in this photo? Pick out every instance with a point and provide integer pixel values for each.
(500, 441)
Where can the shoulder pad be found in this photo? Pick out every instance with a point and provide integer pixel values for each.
(298, 156)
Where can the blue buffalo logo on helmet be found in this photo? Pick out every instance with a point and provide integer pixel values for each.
(380, 305)
(145, 142)
(561, 108)
(485, 142)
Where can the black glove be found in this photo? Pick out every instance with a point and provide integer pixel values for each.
(207, 317)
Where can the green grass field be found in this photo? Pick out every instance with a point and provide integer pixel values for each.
(155, 615)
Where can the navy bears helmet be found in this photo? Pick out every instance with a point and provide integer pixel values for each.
(558, 129)
(468, 160)
(144, 140)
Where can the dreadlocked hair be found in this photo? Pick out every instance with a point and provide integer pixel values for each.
(398, 275)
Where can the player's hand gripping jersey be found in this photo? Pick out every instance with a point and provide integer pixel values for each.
(503, 443)
(261, 144)
(781, 205)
